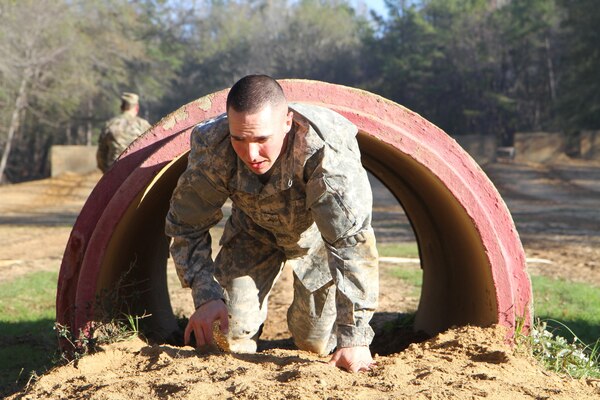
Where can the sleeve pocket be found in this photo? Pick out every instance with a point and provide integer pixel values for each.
(194, 203)
(207, 191)
(331, 214)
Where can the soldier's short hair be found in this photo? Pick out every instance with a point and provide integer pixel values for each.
(251, 93)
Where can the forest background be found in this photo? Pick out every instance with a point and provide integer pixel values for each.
(486, 67)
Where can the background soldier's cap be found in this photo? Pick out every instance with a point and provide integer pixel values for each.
(130, 98)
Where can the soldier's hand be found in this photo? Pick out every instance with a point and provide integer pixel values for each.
(352, 359)
(201, 322)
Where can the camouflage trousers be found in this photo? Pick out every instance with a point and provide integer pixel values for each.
(247, 269)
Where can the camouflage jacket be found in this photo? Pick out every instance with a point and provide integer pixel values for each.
(118, 133)
(317, 189)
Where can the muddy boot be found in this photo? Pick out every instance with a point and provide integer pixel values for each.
(244, 345)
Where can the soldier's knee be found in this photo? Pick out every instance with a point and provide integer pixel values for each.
(322, 346)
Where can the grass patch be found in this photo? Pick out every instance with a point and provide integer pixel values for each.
(27, 340)
(576, 305)
(405, 249)
(565, 336)
(560, 355)
(28, 333)
(411, 275)
(28, 298)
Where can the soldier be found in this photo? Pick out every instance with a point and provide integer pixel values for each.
(120, 131)
(301, 196)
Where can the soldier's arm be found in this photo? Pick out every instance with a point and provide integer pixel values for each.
(145, 125)
(102, 152)
(340, 200)
(195, 207)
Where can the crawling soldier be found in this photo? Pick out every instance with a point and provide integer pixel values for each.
(301, 196)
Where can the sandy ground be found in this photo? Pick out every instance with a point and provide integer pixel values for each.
(556, 212)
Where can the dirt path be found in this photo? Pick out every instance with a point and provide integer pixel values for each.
(557, 212)
(555, 209)
(36, 220)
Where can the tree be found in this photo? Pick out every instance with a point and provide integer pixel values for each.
(471, 66)
(580, 87)
(29, 53)
(432, 60)
(63, 65)
(226, 40)
(320, 40)
(402, 57)
(528, 31)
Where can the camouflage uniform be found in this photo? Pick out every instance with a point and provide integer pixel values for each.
(313, 213)
(118, 133)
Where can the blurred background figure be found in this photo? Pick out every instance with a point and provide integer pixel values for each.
(120, 131)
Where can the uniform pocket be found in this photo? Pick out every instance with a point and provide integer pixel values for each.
(331, 214)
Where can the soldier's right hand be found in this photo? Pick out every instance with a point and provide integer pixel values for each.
(201, 322)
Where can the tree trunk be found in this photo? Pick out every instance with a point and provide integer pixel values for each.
(551, 79)
(68, 132)
(14, 123)
(88, 136)
(80, 134)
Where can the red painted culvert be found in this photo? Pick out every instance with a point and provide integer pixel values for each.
(473, 262)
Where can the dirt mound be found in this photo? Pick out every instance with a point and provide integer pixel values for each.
(462, 363)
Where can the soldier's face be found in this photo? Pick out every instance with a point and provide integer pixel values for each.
(258, 139)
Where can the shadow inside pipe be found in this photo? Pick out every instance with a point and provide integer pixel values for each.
(396, 334)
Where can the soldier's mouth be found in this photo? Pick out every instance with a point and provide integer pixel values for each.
(257, 165)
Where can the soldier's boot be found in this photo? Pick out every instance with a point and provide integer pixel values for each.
(244, 345)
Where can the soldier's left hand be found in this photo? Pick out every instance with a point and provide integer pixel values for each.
(352, 359)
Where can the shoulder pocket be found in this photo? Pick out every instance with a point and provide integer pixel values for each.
(207, 191)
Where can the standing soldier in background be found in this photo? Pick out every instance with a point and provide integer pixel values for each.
(120, 131)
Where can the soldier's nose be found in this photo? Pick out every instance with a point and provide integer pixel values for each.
(253, 151)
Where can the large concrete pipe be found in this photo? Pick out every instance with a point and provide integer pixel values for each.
(473, 261)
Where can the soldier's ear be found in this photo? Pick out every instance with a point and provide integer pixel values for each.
(289, 118)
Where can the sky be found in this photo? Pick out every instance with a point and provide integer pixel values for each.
(376, 5)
